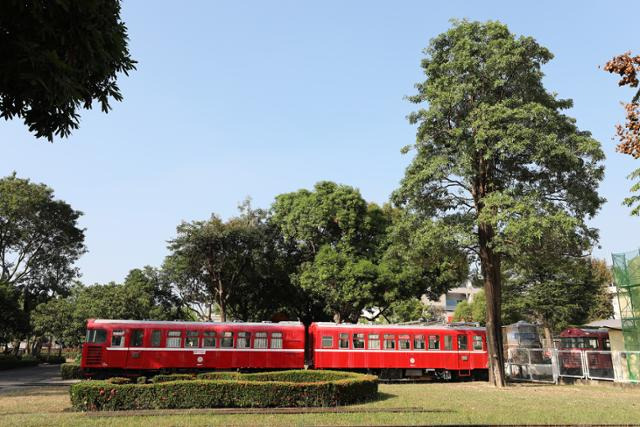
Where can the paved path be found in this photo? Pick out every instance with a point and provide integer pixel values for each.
(34, 376)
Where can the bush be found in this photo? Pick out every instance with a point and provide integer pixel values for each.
(249, 390)
(51, 359)
(71, 371)
(9, 361)
(172, 377)
(141, 380)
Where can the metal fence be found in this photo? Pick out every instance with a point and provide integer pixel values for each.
(550, 364)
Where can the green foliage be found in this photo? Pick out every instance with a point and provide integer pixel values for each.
(40, 240)
(264, 391)
(558, 293)
(57, 57)
(476, 311)
(497, 163)
(233, 264)
(118, 380)
(71, 371)
(9, 361)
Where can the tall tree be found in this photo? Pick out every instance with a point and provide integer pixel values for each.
(628, 67)
(496, 160)
(340, 240)
(57, 57)
(215, 261)
(40, 240)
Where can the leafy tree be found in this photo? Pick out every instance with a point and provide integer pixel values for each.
(339, 241)
(231, 264)
(558, 293)
(39, 242)
(474, 311)
(463, 312)
(628, 67)
(12, 321)
(57, 57)
(496, 161)
(413, 310)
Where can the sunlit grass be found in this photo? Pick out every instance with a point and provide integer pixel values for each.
(456, 403)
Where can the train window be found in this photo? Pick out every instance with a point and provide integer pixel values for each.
(358, 340)
(374, 342)
(174, 339)
(327, 341)
(276, 340)
(343, 341)
(227, 340)
(607, 344)
(260, 341)
(448, 342)
(418, 342)
(404, 343)
(192, 339)
(462, 342)
(137, 337)
(593, 343)
(477, 342)
(389, 342)
(209, 339)
(96, 336)
(244, 340)
(117, 338)
(434, 342)
(156, 337)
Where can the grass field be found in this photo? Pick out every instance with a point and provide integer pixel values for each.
(457, 403)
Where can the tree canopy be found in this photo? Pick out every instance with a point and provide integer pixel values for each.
(40, 240)
(496, 162)
(57, 57)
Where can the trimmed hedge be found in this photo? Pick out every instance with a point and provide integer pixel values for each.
(318, 388)
(71, 371)
(8, 361)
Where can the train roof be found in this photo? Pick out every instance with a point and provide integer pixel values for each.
(391, 326)
(188, 323)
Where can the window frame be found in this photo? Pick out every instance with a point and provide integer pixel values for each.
(209, 335)
(419, 339)
(434, 342)
(261, 337)
(243, 340)
(343, 337)
(404, 339)
(448, 342)
(274, 338)
(156, 333)
(323, 343)
(224, 339)
(133, 337)
(357, 338)
(373, 338)
(117, 333)
(462, 339)
(475, 340)
(190, 335)
(389, 338)
(171, 337)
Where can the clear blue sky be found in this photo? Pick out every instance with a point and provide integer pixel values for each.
(235, 99)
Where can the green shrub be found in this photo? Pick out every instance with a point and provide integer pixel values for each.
(70, 371)
(141, 380)
(172, 377)
(250, 390)
(9, 361)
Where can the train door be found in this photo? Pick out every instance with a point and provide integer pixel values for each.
(464, 362)
(136, 356)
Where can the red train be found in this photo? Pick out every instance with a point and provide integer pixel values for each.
(580, 346)
(131, 347)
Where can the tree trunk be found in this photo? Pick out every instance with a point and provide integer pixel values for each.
(490, 265)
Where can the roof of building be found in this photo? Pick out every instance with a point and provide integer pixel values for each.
(606, 323)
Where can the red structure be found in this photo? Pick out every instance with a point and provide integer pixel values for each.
(575, 341)
(131, 347)
(397, 351)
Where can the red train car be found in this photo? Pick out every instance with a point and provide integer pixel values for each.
(595, 342)
(395, 351)
(133, 347)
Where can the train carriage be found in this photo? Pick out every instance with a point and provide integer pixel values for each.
(132, 346)
(594, 344)
(397, 351)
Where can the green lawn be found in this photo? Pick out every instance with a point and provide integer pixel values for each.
(457, 403)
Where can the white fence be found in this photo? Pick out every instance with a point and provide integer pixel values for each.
(550, 364)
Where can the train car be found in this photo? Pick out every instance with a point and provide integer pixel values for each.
(575, 341)
(397, 351)
(132, 347)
